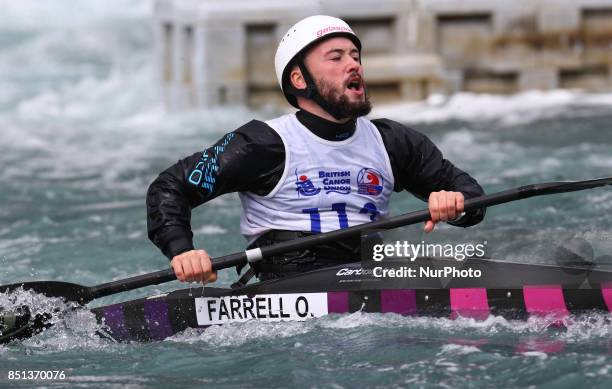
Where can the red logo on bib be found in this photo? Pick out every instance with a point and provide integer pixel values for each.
(369, 182)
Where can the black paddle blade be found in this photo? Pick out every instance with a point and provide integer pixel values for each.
(66, 290)
(19, 324)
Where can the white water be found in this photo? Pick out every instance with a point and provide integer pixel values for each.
(521, 108)
(83, 132)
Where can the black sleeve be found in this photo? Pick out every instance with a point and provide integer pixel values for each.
(419, 167)
(250, 158)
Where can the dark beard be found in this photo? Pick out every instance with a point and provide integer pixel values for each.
(345, 108)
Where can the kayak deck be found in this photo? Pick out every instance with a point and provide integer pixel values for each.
(158, 318)
(559, 292)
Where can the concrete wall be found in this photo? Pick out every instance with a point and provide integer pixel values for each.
(222, 51)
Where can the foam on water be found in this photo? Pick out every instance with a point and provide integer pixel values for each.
(236, 334)
(515, 109)
(34, 15)
(35, 303)
(539, 333)
(73, 326)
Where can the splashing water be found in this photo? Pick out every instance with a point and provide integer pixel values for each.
(84, 132)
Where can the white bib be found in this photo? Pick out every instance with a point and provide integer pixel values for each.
(326, 185)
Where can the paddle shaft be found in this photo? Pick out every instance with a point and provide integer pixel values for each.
(240, 258)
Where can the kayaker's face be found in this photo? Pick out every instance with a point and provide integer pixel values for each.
(336, 69)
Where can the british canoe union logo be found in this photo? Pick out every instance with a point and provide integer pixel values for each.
(336, 181)
(304, 186)
(369, 182)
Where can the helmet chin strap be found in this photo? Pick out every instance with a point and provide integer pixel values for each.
(311, 92)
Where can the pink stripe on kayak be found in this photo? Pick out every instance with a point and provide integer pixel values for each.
(606, 292)
(402, 301)
(469, 302)
(337, 302)
(545, 300)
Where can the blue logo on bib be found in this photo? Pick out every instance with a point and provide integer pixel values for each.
(336, 181)
(304, 186)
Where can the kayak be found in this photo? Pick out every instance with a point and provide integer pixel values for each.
(424, 286)
(508, 289)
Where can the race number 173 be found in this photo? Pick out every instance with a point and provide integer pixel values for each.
(36, 375)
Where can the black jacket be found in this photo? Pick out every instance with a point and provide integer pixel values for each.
(252, 158)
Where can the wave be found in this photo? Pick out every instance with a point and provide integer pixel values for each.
(514, 109)
(39, 15)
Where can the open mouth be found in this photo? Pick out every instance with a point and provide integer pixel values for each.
(354, 84)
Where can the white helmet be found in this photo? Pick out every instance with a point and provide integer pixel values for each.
(302, 35)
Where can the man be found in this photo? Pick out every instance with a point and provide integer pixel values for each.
(323, 168)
